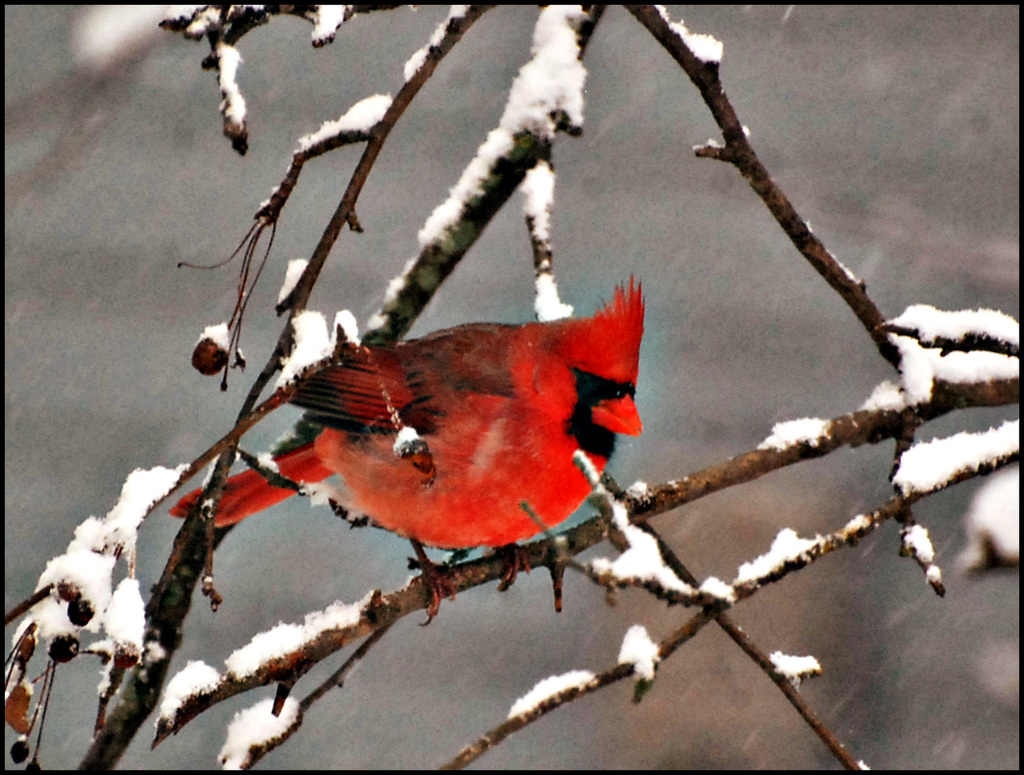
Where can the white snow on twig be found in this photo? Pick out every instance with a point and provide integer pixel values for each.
(233, 104)
(931, 465)
(808, 430)
(86, 568)
(395, 285)
(921, 366)
(547, 92)
(291, 276)
(918, 544)
(639, 651)
(717, 588)
(256, 727)
(887, 395)
(547, 305)
(360, 118)
(787, 547)
(706, 48)
(349, 327)
(642, 561)
(548, 86)
(932, 323)
(795, 668)
(846, 270)
(326, 21)
(284, 639)
(311, 343)
(916, 540)
(415, 62)
(203, 18)
(538, 190)
(548, 688)
(88, 563)
(196, 677)
(142, 488)
(551, 83)
(125, 617)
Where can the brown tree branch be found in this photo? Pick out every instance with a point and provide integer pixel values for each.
(849, 535)
(383, 610)
(739, 152)
(853, 430)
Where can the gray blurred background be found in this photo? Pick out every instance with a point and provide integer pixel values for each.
(894, 131)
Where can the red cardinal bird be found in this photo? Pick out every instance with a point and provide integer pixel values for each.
(502, 409)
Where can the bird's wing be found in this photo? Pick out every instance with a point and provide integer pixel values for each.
(415, 383)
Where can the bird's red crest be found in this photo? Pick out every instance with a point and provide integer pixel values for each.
(608, 344)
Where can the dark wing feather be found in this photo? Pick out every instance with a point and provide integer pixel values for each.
(415, 379)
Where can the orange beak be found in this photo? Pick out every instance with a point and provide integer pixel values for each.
(619, 415)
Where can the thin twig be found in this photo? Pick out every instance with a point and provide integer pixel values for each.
(36, 597)
(751, 649)
(739, 152)
(490, 739)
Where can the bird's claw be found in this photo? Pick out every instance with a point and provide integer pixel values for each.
(515, 559)
(435, 579)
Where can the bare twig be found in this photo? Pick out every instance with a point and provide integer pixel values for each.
(27, 603)
(739, 152)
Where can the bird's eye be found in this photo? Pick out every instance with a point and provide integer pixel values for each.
(593, 389)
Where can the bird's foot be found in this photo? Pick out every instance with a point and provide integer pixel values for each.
(515, 559)
(435, 579)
